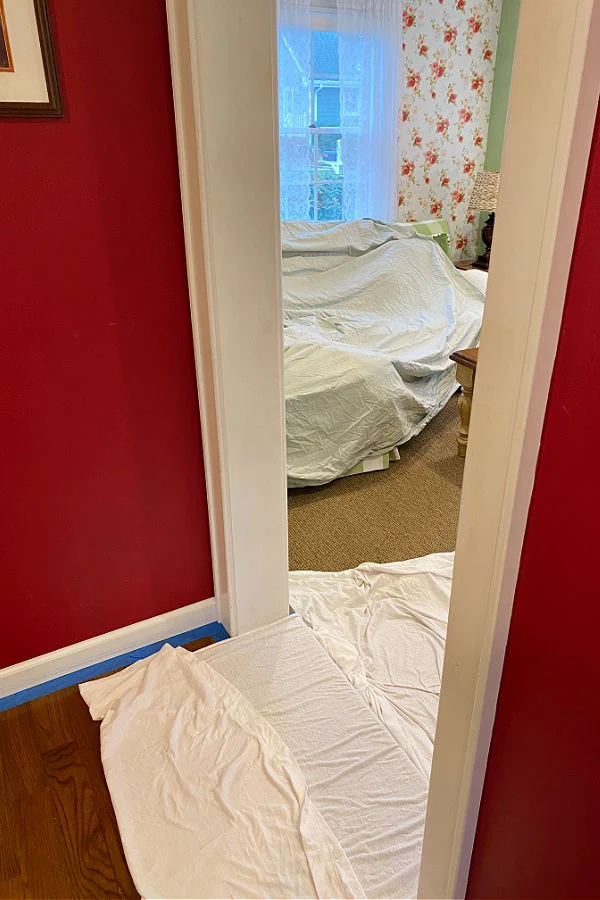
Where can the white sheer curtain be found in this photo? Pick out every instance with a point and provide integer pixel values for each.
(294, 107)
(370, 46)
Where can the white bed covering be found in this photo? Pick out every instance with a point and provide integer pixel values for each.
(385, 627)
(477, 277)
(372, 313)
(368, 789)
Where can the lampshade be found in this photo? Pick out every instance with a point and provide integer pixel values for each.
(485, 191)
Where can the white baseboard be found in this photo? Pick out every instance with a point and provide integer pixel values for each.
(36, 671)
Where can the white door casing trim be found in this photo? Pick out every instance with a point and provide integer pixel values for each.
(223, 59)
(224, 70)
(205, 343)
(551, 118)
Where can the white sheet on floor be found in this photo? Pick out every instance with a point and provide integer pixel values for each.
(209, 800)
(372, 313)
(385, 627)
(370, 791)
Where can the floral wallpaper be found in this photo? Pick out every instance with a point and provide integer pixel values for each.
(449, 49)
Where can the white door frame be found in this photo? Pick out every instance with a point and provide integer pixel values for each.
(224, 80)
(229, 172)
(553, 102)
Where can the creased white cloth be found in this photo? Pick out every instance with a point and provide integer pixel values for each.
(477, 277)
(372, 313)
(210, 801)
(385, 627)
(363, 783)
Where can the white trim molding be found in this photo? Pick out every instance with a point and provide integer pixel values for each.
(36, 671)
(550, 124)
(224, 68)
(202, 326)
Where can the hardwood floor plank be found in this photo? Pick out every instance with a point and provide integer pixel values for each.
(88, 741)
(86, 854)
(21, 770)
(50, 725)
(199, 643)
(39, 847)
(15, 889)
(10, 868)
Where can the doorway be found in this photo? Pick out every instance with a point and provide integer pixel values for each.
(229, 175)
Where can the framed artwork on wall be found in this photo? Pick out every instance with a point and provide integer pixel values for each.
(28, 77)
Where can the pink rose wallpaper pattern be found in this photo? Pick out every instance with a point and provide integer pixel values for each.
(449, 49)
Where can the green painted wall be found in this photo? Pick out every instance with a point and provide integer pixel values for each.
(505, 52)
(502, 73)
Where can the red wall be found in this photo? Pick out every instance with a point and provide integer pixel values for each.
(103, 513)
(538, 833)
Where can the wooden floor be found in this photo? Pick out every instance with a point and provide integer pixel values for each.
(58, 832)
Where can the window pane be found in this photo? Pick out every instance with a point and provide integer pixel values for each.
(329, 200)
(330, 156)
(325, 49)
(313, 166)
(327, 105)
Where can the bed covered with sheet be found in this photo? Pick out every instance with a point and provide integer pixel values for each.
(372, 313)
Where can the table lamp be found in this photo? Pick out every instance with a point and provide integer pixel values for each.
(484, 199)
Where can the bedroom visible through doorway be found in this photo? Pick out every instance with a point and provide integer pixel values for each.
(390, 115)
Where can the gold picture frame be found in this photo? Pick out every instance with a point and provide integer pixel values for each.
(28, 76)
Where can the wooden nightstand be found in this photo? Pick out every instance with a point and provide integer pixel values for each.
(466, 366)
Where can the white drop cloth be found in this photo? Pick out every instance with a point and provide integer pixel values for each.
(477, 277)
(370, 791)
(385, 627)
(372, 313)
(209, 800)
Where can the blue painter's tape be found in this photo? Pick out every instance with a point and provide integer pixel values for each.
(214, 630)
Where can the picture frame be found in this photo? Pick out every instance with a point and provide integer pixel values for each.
(29, 85)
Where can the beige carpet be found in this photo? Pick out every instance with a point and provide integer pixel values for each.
(409, 510)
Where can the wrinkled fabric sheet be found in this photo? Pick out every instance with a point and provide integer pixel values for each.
(477, 277)
(385, 627)
(209, 799)
(369, 789)
(371, 314)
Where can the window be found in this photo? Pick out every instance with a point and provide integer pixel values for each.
(338, 102)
